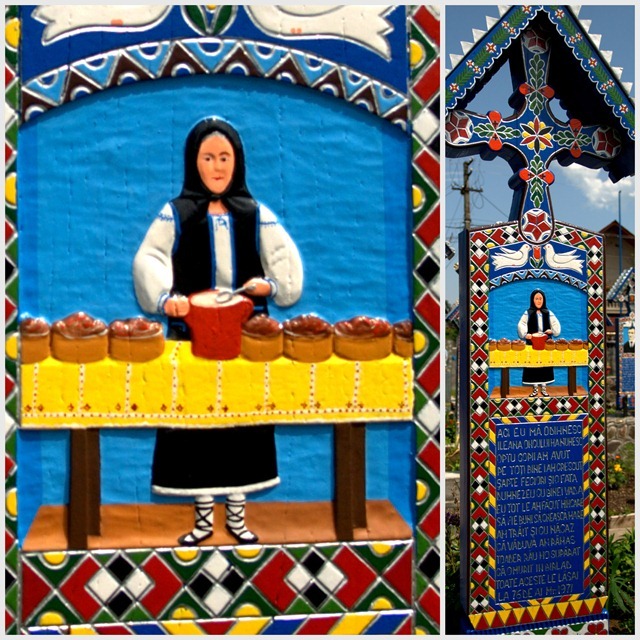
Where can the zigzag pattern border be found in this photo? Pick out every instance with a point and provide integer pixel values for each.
(12, 85)
(424, 44)
(482, 616)
(210, 56)
(424, 32)
(482, 56)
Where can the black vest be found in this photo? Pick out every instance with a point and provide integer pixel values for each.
(532, 322)
(192, 259)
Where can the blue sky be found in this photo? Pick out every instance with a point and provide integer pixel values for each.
(579, 195)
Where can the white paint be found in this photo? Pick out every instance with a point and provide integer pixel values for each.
(363, 25)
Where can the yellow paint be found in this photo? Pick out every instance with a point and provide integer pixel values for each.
(591, 603)
(417, 196)
(419, 342)
(248, 627)
(50, 618)
(421, 490)
(381, 548)
(82, 630)
(562, 607)
(183, 613)
(490, 617)
(180, 390)
(248, 552)
(548, 609)
(12, 33)
(11, 346)
(247, 611)
(186, 554)
(54, 558)
(420, 631)
(10, 193)
(519, 612)
(11, 502)
(352, 624)
(492, 560)
(381, 604)
(575, 605)
(416, 53)
(504, 615)
(182, 628)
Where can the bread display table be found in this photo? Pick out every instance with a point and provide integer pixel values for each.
(534, 358)
(181, 390)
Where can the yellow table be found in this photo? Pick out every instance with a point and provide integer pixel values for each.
(180, 390)
(530, 357)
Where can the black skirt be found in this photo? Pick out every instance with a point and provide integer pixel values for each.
(537, 375)
(216, 461)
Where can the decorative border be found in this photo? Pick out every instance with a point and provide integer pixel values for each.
(481, 57)
(413, 571)
(483, 616)
(210, 56)
(232, 588)
(12, 89)
(424, 44)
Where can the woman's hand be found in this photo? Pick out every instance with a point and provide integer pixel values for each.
(261, 287)
(177, 306)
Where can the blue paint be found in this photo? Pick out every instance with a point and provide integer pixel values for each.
(507, 304)
(539, 509)
(81, 46)
(329, 170)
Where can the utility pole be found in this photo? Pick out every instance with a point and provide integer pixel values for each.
(465, 190)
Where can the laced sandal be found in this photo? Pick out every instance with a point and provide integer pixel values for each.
(534, 393)
(235, 521)
(544, 393)
(204, 524)
(242, 535)
(194, 537)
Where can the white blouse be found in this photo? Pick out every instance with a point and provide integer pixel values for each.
(279, 256)
(553, 321)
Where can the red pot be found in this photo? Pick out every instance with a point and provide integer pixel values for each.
(538, 340)
(216, 328)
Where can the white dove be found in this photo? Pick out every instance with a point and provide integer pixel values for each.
(566, 260)
(511, 257)
(364, 25)
(62, 20)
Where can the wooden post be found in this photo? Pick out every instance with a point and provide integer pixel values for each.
(83, 512)
(350, 481)
(505, 386)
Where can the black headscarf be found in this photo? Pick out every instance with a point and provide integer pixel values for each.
(193, 263)
(236, 198)
(532, 322)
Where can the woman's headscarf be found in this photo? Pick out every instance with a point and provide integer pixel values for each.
(236, 198)
(532, 305)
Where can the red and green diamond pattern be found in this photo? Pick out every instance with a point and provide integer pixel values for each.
(484, 613)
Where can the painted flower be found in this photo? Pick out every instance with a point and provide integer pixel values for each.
(592, 62)
(607, 85)
(624, 108)
(536, 135)
(454, 88)
(490, 47)
(526, 8)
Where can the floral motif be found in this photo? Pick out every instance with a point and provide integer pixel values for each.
(536, 226)
(209, 19)
(537, 135)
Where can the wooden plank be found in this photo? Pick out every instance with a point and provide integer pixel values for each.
(571, 381)
(78, 511)
(93, 481)
(504, 382)
(358, 475)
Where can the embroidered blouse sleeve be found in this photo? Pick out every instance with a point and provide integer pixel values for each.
(152, 267)
(280, 260)
(522, 325)
(555, 323)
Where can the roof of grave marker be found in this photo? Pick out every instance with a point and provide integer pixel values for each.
(585, 83)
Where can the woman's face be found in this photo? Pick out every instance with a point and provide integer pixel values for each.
(538, 300)
(216, 163)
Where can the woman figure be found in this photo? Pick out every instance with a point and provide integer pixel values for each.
(214, 235)
(538, 319)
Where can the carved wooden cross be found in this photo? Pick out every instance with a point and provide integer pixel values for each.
(530, 140)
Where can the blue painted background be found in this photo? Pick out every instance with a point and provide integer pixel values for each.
(507, 304)
(93, 175)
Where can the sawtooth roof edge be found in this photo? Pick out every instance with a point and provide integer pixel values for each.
(462, 82)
